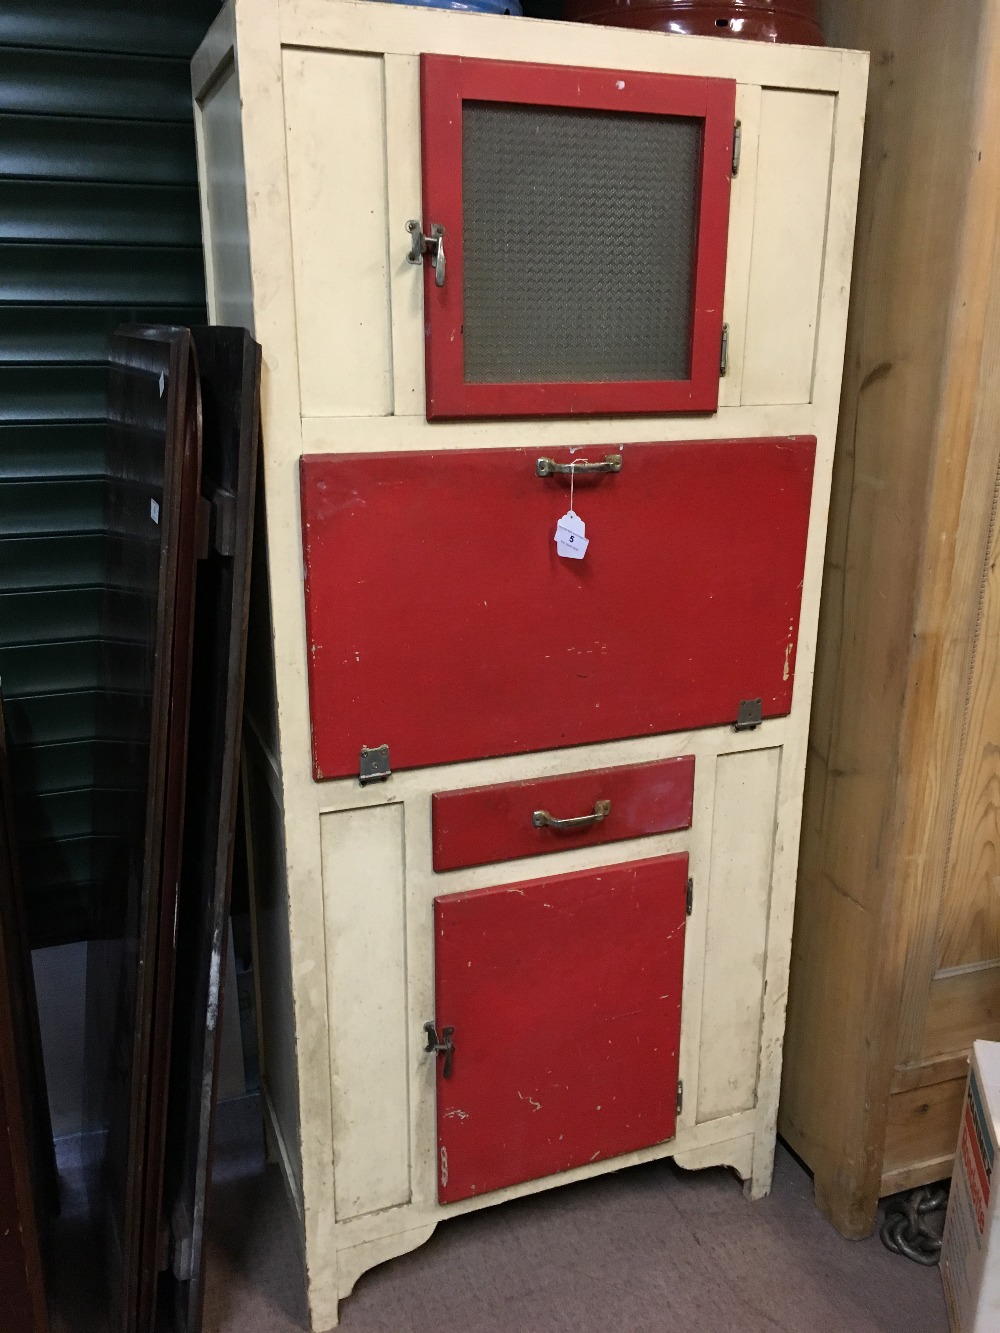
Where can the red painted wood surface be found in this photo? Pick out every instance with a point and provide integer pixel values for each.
(442, 621)
(483, 824)
(447, 81)
(565, 997)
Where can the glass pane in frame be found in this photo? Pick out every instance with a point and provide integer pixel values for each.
(580, 233)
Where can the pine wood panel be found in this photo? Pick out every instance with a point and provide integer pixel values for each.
(969, 925)
(922, 1130)
(958, 525)
(894, 633)
(961, 1007)
(938, 1069)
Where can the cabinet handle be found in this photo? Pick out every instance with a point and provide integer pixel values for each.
(542, 818)
(548, 467)
(432, 246)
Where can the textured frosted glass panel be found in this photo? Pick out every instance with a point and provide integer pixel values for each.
(579, 243)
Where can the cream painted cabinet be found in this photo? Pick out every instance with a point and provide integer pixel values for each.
(553, 320)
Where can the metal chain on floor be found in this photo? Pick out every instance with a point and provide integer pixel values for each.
(914, 1224)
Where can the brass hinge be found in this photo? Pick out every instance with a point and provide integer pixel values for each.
(680, 1095)
(737, 146)
(690, 896)
(724, 351)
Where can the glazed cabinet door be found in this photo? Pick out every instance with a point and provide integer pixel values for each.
(575, 230)
(558, 1005)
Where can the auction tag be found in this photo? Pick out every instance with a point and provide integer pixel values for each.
(570, 538)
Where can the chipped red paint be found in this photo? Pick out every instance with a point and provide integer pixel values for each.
(565, 998)
(441, 620)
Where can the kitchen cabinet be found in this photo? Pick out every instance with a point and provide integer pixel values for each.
(514, 812)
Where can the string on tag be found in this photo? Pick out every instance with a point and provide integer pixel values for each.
(571, 539)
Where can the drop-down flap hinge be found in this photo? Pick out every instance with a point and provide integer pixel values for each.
(373, 764)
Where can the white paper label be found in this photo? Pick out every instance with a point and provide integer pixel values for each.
(570, 538)
(162, 383)
(154, 511)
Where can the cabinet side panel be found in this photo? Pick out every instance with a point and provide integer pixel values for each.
(225, 204)
(272, 958)
(363, 887)
(738, 893)
(789, 237)
(335, 126)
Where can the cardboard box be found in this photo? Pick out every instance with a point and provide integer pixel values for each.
(970, 1255)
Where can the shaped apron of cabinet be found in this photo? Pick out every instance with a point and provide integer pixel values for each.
(523, 822)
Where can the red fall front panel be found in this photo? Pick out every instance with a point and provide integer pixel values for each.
(478, 825)
(565, 999)
(442, 621)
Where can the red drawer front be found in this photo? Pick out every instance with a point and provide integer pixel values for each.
(442, 621)
(565, 999)
(483, 824)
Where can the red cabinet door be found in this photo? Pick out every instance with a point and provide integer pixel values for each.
(564, 1000)
(585, 217)
(443, 622)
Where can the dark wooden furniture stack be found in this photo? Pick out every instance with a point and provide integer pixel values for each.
(28, 1187)
(183, 443)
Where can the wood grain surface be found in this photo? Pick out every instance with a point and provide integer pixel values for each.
(900, 796)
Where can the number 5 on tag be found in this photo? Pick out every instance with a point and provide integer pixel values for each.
(570, 538)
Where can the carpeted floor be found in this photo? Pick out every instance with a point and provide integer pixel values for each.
(653, 1248)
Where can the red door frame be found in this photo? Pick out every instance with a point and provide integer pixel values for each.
(447, 81)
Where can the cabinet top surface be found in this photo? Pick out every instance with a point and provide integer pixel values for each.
(409, 29)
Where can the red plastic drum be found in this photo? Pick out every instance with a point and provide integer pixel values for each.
(757, 20)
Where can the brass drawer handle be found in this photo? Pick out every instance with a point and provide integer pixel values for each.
(542, 818)
(548, 467)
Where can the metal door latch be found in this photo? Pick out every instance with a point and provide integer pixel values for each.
(432, 246)
(445, 1046)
